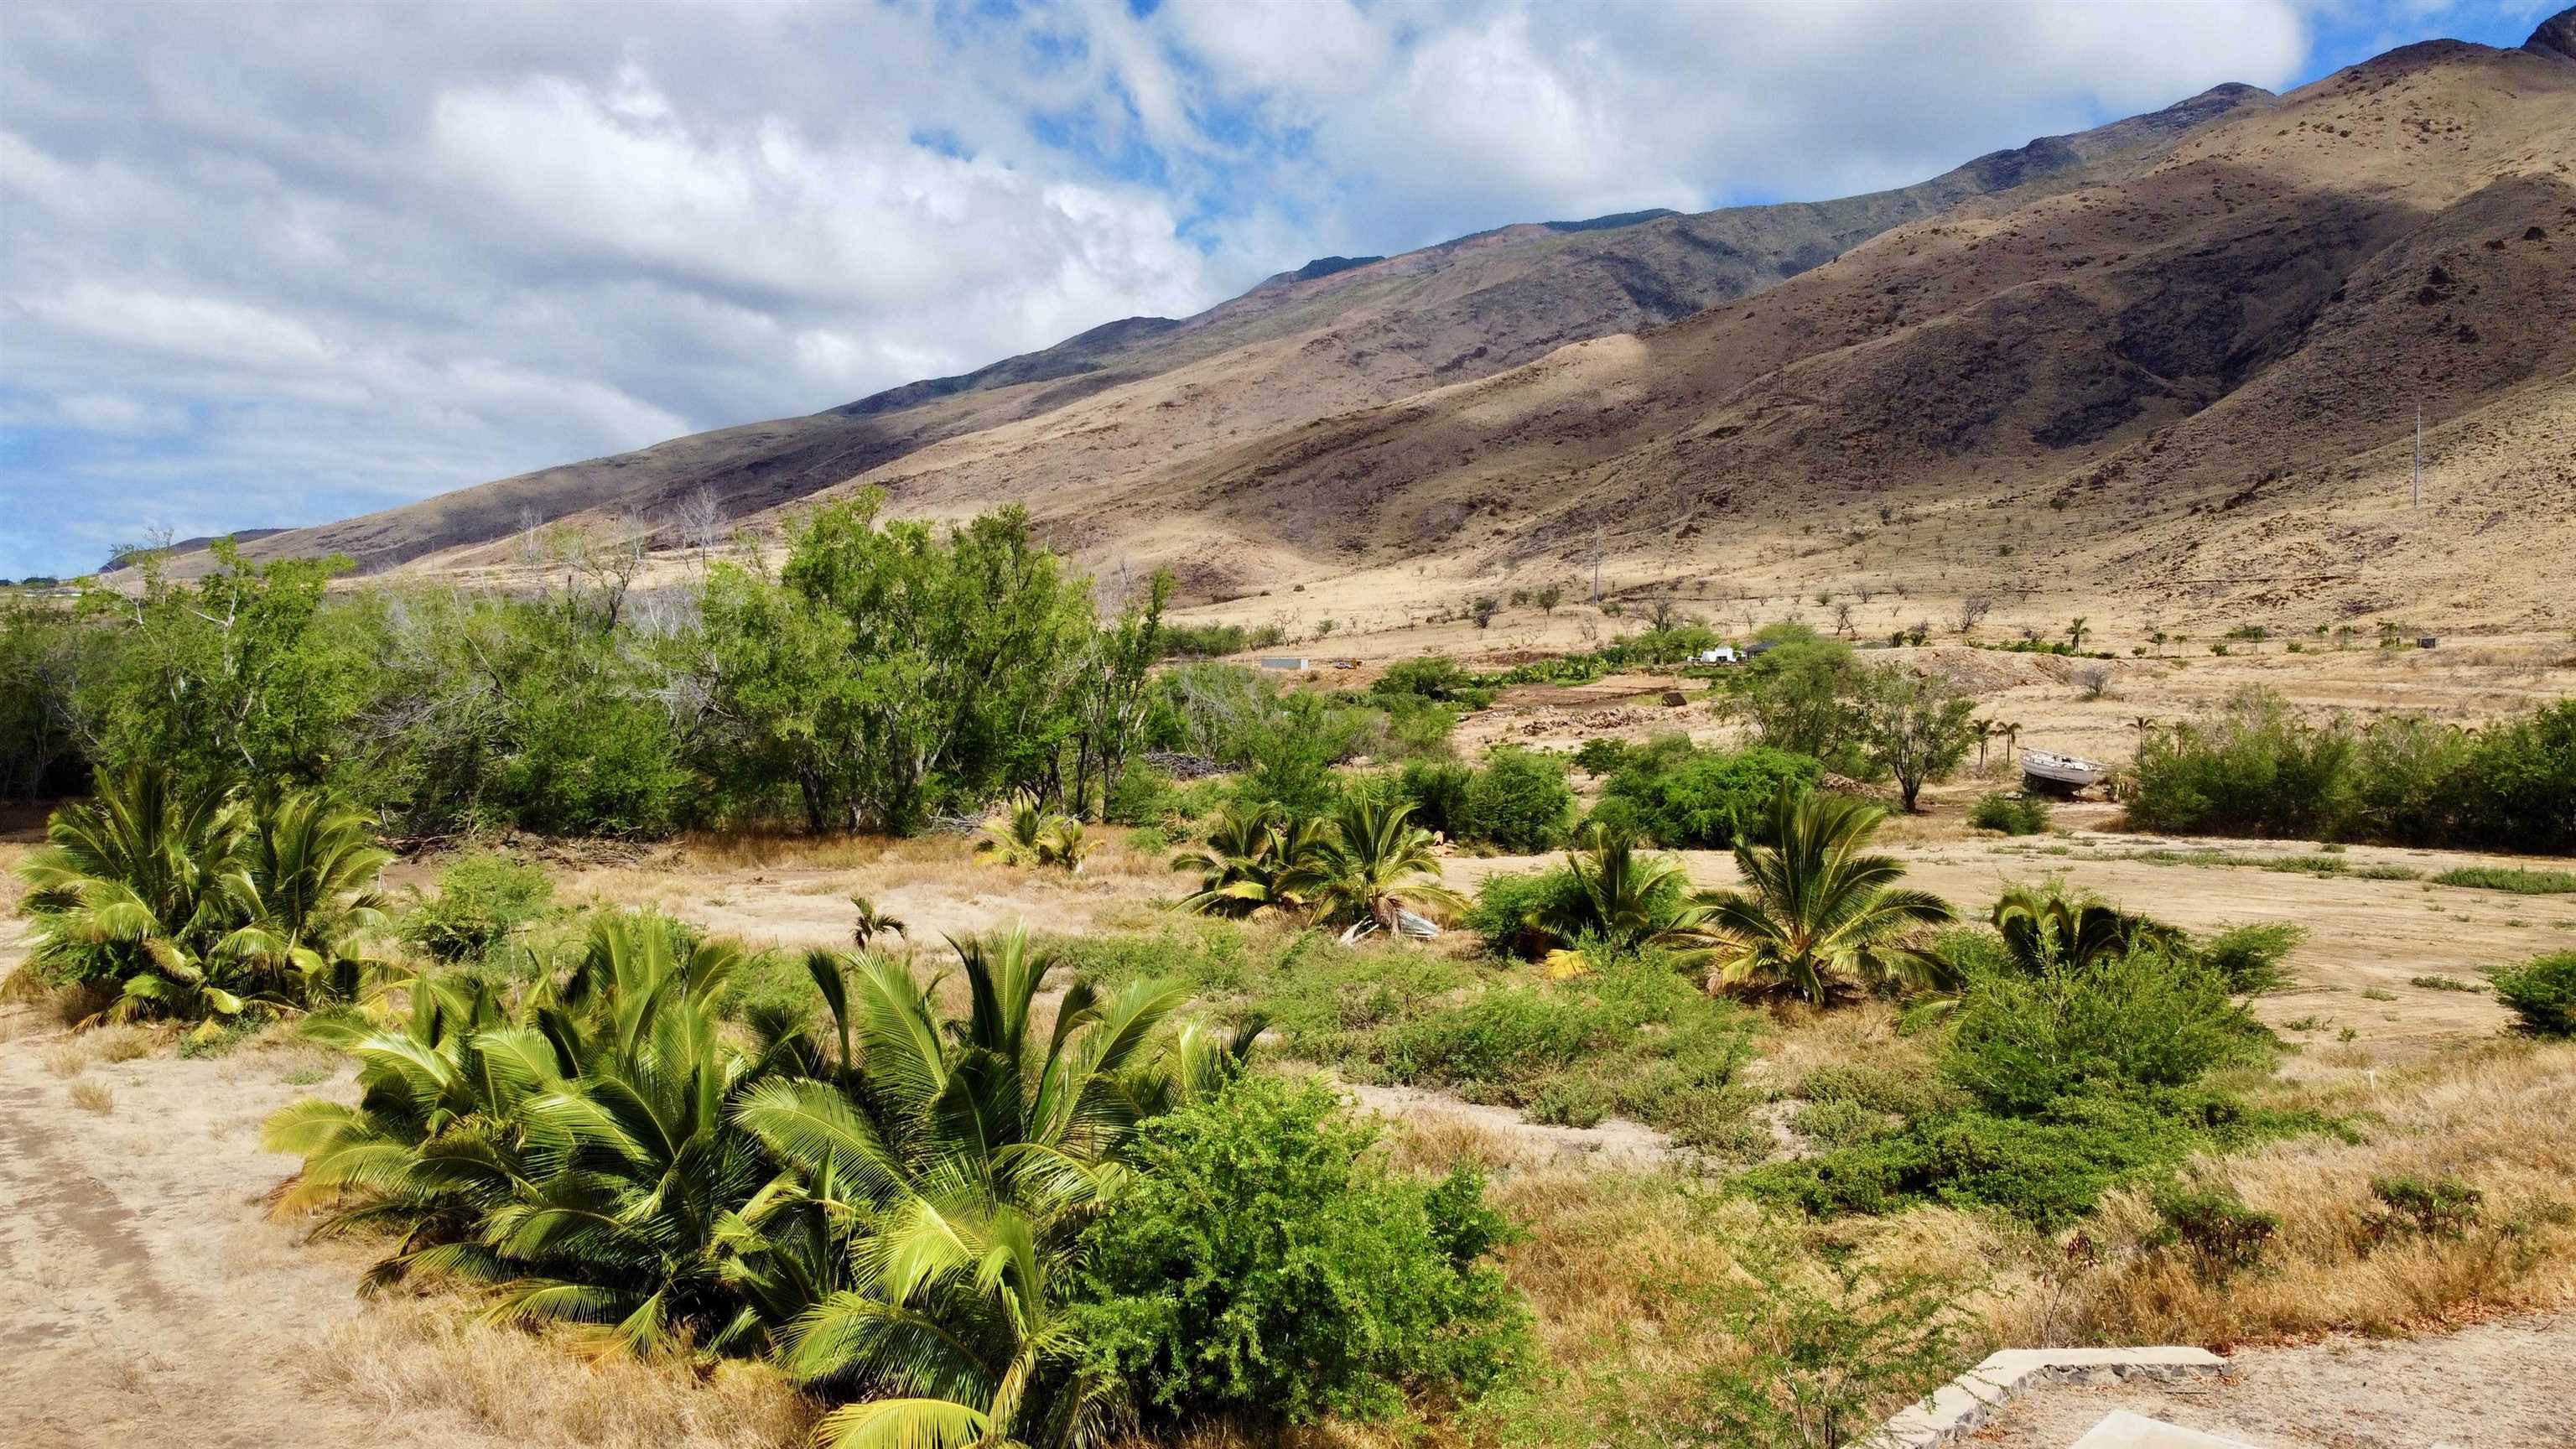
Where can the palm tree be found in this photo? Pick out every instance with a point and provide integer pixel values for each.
(2011, 731)
(1373, 865)
(967, 1165)
(1815, 908)
(307, 891)
(2043, 926)
(1017, 836)
(1255, 860)
(134, 890)
(1985, 732)
(872, 923)
(1623, 899)
(2076, 629)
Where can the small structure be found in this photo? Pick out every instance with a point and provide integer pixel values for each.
(1722, 654)
(1284, 661)
(2057, 774)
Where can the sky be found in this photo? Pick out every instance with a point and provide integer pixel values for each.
(271, 264)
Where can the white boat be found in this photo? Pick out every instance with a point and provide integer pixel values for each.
(2061, 772)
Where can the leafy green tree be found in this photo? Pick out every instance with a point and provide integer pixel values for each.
(1796, 695)
(1914, 726)
(1691, 798)
(1815, 907)
(233, 678)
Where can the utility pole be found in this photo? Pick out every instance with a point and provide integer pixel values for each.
(2419, 457)
(1596, 565)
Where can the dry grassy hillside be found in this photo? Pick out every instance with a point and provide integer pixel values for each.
(1131, 397)
(2182, 388)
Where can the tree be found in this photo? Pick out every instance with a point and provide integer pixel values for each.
(1796, 694)
(1373, 864)
(1547, 597)
(2076, 629)
(1913, 725)
(1972, 612)
(1114, 690)
(1815, 908)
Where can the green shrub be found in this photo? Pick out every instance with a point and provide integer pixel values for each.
(1506, 904)
(1518, 802)
(2139, 1020)
(1702, 800)
(2011, 814)
(2048, 1170)
(2438, 1207)
(1438, 790)
(2249, 958)
(1142, 796)
(481, 900)
(1260, 1266)
(2253, 769)
(2506, 878)
(2542, 993)
(2222, 1234)
(1436, 678)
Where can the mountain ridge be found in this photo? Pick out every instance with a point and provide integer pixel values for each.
(1454, 310)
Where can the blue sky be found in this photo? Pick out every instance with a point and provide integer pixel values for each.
(280, 263)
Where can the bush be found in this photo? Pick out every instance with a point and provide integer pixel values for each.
(2222, 1234)
(2439, 1207)
(1142, 796)
(1505, 905)
(1259, 1266)
(2542, 993)
(1702, 799)
(2248, 958)
(2011, 814)
(2048, 1170)
(481, 900)
(2139, 1020)
(1519, 802)
(1438, 790)
(1436, 678)
(2254, 769)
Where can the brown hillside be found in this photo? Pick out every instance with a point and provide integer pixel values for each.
(2190, 386)
(1335, 335)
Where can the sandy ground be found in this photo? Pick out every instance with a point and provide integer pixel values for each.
(144, 1296)
(2479, 1388)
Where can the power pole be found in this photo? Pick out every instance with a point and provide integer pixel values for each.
(2419, 457)
(1596, 565)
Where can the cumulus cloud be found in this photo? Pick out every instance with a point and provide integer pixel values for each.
(272, 266)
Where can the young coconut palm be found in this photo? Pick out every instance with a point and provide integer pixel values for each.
(133, 892)
(1374, 866)
(1814, 908)
(872, 923)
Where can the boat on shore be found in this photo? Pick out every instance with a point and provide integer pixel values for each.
(2061, 774)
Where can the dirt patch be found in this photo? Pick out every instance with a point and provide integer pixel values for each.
(2493, 1385)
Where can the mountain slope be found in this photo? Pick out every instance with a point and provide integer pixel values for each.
(1336, 334)
(2189, 386)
